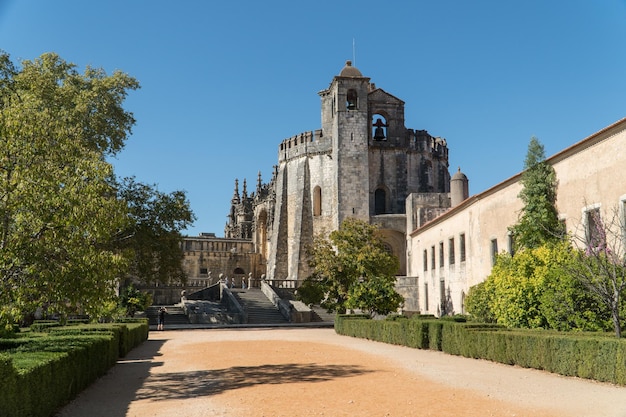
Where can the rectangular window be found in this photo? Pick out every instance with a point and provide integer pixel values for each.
(494, 250)
(441, 255)
(432, 257)
(451, 251)
(425, 297)
(462, 247)
(425, 260)
(442, 295)
(203, 271)
(317, 201)
(511, 244)
(594, 229)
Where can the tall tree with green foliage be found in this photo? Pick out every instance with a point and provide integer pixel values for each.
(539, 222)
(152, 238)
(68, 230)
(58, 211)
(352, 269)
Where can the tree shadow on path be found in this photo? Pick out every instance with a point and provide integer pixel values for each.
(183, 385)
(112, 394)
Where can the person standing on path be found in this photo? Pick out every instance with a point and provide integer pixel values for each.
(161, 318)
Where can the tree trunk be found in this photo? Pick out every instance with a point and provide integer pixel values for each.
(616, 322)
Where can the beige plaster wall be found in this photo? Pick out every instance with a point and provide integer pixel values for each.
(590, 173)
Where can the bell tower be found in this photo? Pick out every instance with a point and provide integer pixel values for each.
(345, 119)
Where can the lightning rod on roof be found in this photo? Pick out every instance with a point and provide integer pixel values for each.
(353, 52)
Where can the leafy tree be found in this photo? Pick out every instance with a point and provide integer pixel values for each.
(565, 303)
(152, 238)
(534, 289)
(517, 286)
(133, 300)
(58, 211)
(601, 264)
(353, 270)
(538, 222)
(478, 302)
(377, 295)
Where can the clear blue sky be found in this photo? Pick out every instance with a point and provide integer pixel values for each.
(224, 82)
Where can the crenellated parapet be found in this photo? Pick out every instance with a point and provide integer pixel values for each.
(304, 144)
(422, 141)
(416, 141)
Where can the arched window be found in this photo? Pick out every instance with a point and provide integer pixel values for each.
(379, 127)
(380, 201)
(352, 100)
(317, 201)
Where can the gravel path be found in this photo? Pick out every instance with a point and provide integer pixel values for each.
(315, 372)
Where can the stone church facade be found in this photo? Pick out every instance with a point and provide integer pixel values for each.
(363, 163)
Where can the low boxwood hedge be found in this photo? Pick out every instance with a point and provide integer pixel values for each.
(41, 372)
(586, 355)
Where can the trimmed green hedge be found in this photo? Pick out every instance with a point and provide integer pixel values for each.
(41, 372)
(594, 356)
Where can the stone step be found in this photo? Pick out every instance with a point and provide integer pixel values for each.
(260, 310)
(174, 315)
(321, 315)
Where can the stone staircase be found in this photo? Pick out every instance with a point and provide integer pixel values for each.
(175, 315)
(320, 314)
(260, 310)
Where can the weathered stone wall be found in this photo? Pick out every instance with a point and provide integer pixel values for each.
(350, 135)
(407, 287)
(206, 258)
(343, 166)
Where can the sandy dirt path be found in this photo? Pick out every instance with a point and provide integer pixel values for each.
(315, 372)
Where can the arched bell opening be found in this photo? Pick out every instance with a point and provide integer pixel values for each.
(352, 100)
(379, 127)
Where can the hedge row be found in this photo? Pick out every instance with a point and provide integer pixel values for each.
(586, 355)
(40, 373)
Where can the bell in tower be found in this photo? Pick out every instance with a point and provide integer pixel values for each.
(379, 132)
(351, 100)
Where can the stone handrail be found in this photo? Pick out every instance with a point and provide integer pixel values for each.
(294, 311)
(231, 303)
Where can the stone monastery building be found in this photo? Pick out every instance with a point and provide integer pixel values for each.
(363, 162)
